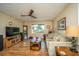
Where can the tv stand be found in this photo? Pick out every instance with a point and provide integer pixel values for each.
(12, 40)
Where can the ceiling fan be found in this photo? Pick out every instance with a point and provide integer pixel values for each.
(30, 14)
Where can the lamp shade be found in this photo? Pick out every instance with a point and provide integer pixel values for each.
(72, 31)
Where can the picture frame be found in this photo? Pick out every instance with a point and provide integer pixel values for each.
(62, 24)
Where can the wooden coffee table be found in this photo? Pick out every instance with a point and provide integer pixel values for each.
(66, 50)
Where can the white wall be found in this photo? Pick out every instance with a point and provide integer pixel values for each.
(29, 24)
(70, 12)
(4, 21)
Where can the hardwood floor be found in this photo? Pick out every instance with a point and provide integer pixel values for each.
(23, 49)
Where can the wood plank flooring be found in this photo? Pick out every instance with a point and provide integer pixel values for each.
(23, 49)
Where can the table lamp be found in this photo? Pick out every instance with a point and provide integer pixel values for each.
(72, 31)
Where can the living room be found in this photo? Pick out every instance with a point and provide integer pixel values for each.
(49, 18)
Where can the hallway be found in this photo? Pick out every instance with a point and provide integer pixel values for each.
(22, 49)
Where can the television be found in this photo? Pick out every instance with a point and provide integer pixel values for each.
(11, 31)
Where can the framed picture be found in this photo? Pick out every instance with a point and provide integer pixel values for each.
(62, 24)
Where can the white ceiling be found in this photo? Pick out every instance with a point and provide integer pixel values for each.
(43, 11)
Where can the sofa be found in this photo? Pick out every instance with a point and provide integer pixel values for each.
(55, 40)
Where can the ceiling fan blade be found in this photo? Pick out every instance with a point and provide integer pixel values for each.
(24, 15)
(31, 12)
(34, 17)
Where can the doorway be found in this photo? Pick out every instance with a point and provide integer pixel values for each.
(25, 32)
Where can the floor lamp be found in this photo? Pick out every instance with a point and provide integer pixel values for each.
(73, 32)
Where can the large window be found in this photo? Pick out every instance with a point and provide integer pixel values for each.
(38, 28)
